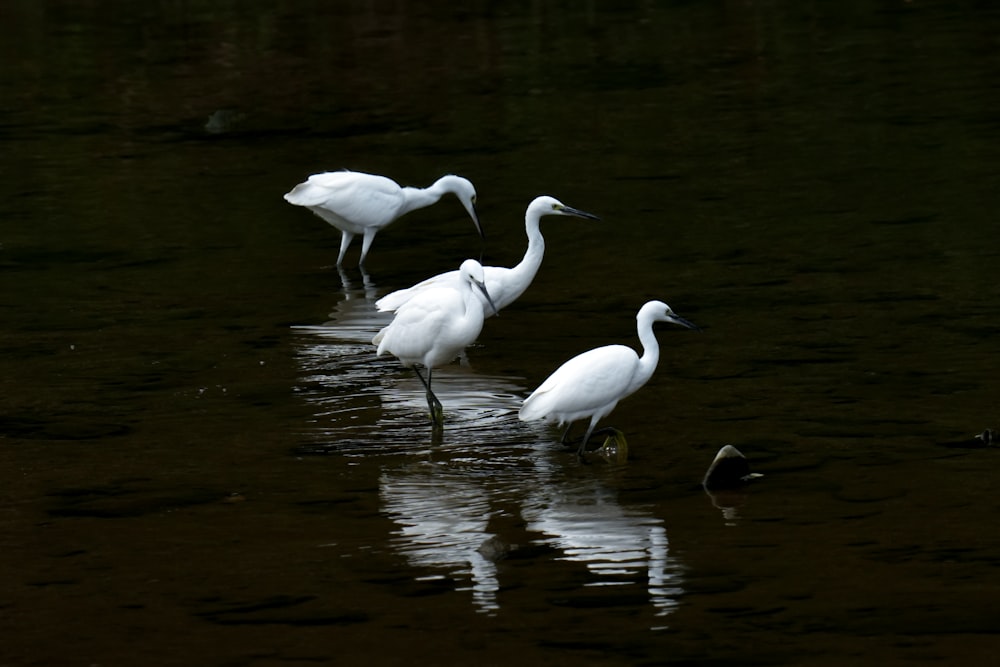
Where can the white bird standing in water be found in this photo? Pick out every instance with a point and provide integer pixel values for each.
(592, 383)
(435, 327)
(505, 285)
(358, 203)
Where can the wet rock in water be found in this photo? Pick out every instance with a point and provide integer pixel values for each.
(614, 449)
(730, 469)
(493, 549)
(225, 120)
(988, 438)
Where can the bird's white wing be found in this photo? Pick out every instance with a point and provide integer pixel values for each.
(395, 300)
(418, 325)
(363, 199)
(496, 285)
(316, 189)
(584, 383)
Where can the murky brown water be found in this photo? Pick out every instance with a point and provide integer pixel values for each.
(203, 462)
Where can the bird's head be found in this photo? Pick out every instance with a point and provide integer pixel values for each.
(657, 311)
(546, 205)
(466, 193)
(472, 271)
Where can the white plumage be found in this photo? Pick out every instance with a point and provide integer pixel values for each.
(359, 203)
(435, 326)
(592, 383)
(504, 285)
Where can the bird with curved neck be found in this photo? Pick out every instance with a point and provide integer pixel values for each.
(505, 285)
(436, 326)
(359, 203)
(592, 383)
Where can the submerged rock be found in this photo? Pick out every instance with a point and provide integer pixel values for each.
(730, 469)
(494, 549)
(614, 449)
(225, 120)
(988, 438)
(726, 482)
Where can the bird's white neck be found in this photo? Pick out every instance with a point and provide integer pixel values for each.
(528, 266)
(650, 352)
(414, 198)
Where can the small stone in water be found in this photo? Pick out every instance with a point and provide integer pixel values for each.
(493, 549)
(729, 469)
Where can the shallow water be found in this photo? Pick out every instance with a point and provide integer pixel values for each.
(204, 463)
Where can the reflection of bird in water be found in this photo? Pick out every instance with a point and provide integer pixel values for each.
(353, 317)
(368, 288)
(589, 526)
(358, 203)
(505, 285)
(442, 522)
(592, 383)
(466, 509)
(435, 326)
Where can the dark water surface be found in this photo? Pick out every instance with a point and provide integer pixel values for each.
(203, 463)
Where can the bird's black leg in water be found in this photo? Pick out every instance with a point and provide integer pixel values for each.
(586, 439)
(591, 433)
(437, 410)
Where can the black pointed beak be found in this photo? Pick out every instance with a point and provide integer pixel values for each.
(578, 213)
(475, 219)
(677, 319)
(489, 299)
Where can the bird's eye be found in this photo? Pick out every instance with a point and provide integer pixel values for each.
(556, 207)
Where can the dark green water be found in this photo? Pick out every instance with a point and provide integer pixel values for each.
(203, 463)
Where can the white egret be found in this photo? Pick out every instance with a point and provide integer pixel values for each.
(504, 285)
(359, 203)
(592, 383)
(435, 326)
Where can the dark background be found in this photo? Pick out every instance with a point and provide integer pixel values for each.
(202, 462)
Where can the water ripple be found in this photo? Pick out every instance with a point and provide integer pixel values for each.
(484, 483)
(447, 511)
(367, 404)
(618, 544)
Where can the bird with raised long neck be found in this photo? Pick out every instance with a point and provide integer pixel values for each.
(591, 384)
(504, 284)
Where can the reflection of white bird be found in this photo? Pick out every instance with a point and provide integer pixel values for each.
(434, 327)
(505, 285)
(441, 519)
(358, 203)
(587, 525)
(592, 383)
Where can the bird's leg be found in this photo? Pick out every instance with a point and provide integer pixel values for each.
(586, 437)
(366, 243)
(564, 440)
(345, 241)
(437, 410)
